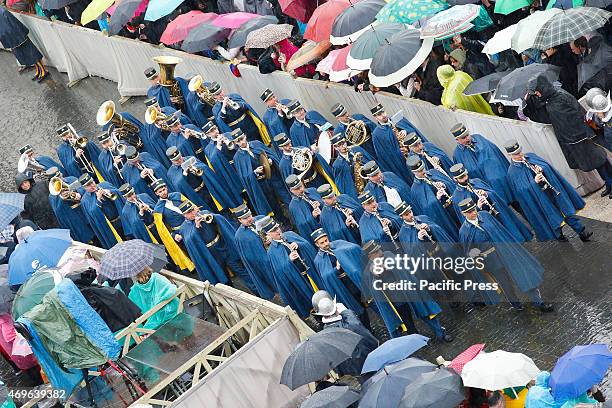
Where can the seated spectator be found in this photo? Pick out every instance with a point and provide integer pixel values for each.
(151, 289)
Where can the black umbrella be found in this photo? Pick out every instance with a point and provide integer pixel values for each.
(239, 35)
(54, 4)
(6, 299)
(399, 57)
(204, 37)
(332, 397)
(514, 85)
(599, 57)
(313, 358)
(485, 84)
(363, 50)
(441, 389)
(354, 20)
(604, 4)
(123, 13)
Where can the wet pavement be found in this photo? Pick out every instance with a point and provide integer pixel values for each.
(577, 275)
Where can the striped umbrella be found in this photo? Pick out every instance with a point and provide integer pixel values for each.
(354, 21)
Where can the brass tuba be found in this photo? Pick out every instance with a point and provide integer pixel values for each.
(196, 84)
(167, 65)
(357, 132)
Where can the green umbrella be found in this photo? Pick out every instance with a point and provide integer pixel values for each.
(33, 290)
(409, 11)
(508, 6)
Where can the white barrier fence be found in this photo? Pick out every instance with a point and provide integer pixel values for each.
(82, 52)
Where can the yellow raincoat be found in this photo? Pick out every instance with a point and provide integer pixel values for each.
(454, 82)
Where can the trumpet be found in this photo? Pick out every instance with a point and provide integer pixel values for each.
(81, 143)
(204, 216)
(189, 166)
(226, 141)
(150, 176)
(57, 186)
(108, 194)
(190, 132)
(233, 105)
(283, 109)
(152, 116)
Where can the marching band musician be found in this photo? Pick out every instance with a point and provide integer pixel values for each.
(199, 183)
(201, 110)
(339, 215)
(305, 207)
(344, 165)
(102, 206)
(483, 159)
(161, 92)
(487, 199)
(68, 211)
(232, 112)
(292, 258)
(432, 194)
(385, 186)
(252, 251)
(137, 216)
(141, 170)
(183, 137)
(432, 156)
(386, 142)
(508, 262)
(74, 158)
(110, 158)
(267, 196)
(276, 117)
(219, 151)
(379, 222)
(545, 196)
(342, 116)
(209, 239)
(168, 220)
(339, 264)
(45, 162)
(305, 128)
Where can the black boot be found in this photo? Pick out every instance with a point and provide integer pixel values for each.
(585, 236)
(606, 191)
(562, 238)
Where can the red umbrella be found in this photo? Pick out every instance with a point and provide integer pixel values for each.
(179, 28)
(468, 355)
(233, 20)
(320, 24)
(301, 10)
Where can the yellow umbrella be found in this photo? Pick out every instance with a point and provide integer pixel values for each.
(95, 8)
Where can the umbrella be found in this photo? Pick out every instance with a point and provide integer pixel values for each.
(309, 51)
(94, 9)
(142, 7)
(54, 4)
(568, 25)
(339, 70)
(325, 65)
(354, 21)
(501, 41)
(332, 397)
(485, 84)
(320, 23)
(42, 249)
(527, 28)
(124, 11)
(450, 22)
(409, 11)
(598, 3)
(508, 6)
(579, 369)
(301, 10)
(514, 85)
(6, 299)
(161, 8)
(399, 57)
(441, 389)
(204, 37)
(462, 2)
(233, 20)
(598, 58)
(178, 29)
(385, 388)
(466, 356)
(314, 357)
(364, 48)
(238, 36)
(11, 205)
(31, 293)
(392, 351)
(498, 370)
(127, 259)
(268, 35)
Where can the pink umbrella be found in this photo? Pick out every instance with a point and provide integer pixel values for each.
(320, 23)
(178, 28)
(339, 70)
(468, 355)
(325, 65)
(233, 20)
(141, 8)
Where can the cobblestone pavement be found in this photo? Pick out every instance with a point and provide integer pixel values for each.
(577, 275)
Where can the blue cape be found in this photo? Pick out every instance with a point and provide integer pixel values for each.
(390, 158)
(434, 151)
(255, 259)
(541, 212)
(276, 124)
(371, 229)
(67, 157)
(393, 181)
(131, 175)
(161, 93)
(133, 223)
(343, 171)
(333, 220)
(182, 144)
(154, 144)
(99, 214)
(506, 215)
(424, 197)
(172, 219)
(247, 124)
(71, 218)
(301, 213)
(200, 111)
(107, 168)
(302, 136)
(222, 167)
(487, 163)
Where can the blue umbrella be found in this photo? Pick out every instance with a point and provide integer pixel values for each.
(578, 370)
(392, 351)
(43, 248)
(11, 205)
(161, 8)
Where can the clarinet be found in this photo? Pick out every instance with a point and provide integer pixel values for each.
(434, 164)
(299, 262)
(491, 208)
(544, 184)
(447, 201)
(348, 214)
(313, 203)
(387, 230)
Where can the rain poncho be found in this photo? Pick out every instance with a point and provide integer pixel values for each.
(539, 395)
(147, 295)
(454, 82)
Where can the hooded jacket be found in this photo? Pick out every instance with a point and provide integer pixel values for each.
(36, 204)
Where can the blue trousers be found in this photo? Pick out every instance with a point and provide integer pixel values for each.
(574, 223)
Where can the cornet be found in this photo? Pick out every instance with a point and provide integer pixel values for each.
(204, 217)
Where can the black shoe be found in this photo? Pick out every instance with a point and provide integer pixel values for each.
(42, 78)
(585, 236)
(447, 338)
(546, 307)
(606, 191)
(562, 238)
(35, 77)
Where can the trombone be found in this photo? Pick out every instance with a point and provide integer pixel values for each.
(119, 150)
(81, 143)
(189, 166)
